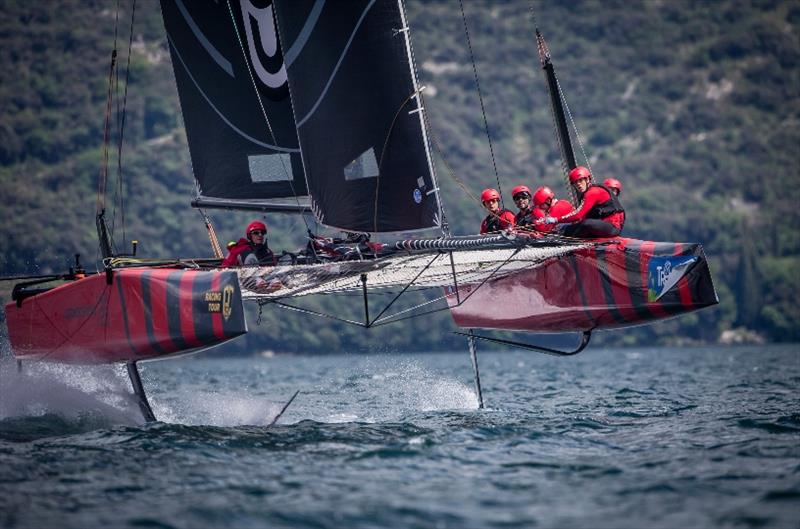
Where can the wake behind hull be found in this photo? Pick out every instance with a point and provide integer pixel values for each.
(622, 283)
(144, 314)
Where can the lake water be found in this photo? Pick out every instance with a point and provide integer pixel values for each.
(704, 437)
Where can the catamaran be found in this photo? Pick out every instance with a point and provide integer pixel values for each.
(314, 107)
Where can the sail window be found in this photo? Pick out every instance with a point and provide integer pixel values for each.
(270, 167)
(365, 166)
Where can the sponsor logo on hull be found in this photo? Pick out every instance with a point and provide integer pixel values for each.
(663, 273)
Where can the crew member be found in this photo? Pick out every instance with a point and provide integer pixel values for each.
(498, 218)
(614, 185)
(522, 198)
(547, 205)
(252, 250)
(599, 213)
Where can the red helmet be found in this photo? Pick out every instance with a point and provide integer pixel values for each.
(256, 225)
(579, 173)
(543, 194)
(520, 189)
(613, 183)
(489, 194)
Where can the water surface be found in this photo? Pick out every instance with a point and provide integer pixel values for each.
(611, 438)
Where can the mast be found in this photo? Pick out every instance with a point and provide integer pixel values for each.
(560, 120)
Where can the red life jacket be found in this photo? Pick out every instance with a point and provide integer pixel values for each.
(246, 253)
(605, 209)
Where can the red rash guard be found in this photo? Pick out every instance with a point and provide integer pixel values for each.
(502, 221)
(594, 195)
(245, 253)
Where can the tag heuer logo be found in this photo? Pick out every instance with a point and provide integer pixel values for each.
(663, 273)
(227, 302)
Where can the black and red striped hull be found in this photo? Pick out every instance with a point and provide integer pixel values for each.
(143, 314)
(619, 283)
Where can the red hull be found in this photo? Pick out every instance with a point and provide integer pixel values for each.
(143, 314)
(622, 283)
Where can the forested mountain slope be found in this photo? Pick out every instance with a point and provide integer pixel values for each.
(695, 106)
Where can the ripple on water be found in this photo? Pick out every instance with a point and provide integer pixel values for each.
(392, 442)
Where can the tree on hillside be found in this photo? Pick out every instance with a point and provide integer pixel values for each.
(748, 285)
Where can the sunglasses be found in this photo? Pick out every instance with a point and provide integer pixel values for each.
(258, 232)
(521, 196)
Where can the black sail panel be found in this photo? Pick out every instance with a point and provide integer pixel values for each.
(235, 100)
(357, 114)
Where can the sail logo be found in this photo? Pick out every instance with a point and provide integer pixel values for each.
(663, 273)
(262, 43)
(220, 302)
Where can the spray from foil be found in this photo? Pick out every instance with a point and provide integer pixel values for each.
(380, 389)
(72, 392)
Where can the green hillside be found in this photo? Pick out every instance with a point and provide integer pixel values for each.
(695, 106)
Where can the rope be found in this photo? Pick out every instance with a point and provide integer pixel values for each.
(480, 96)
(212, 234)
(578, 135)
(451, 172)
(102, 179)
(120, 192)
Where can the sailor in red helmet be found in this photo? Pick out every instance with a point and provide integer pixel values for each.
(522, 198)
(252, 250)
(599, 213)
(498, 218)
(614, 185)
(547, 205)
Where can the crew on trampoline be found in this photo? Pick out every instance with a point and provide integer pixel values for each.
(498, 218)
(522, 198)
(252, 250)
(547, 205)
(599, 212)
(614, 185)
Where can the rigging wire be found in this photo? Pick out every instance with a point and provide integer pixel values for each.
(480, 96)
(102, 179)
(451, 172)
(121, 114)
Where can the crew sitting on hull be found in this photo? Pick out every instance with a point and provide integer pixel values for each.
(614, 185)
(252, 250)
(498, 218)
(599, 213)
(547, 205)
(522, 198)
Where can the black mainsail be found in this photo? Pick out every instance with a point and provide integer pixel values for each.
(235, 99)
(358, 112)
